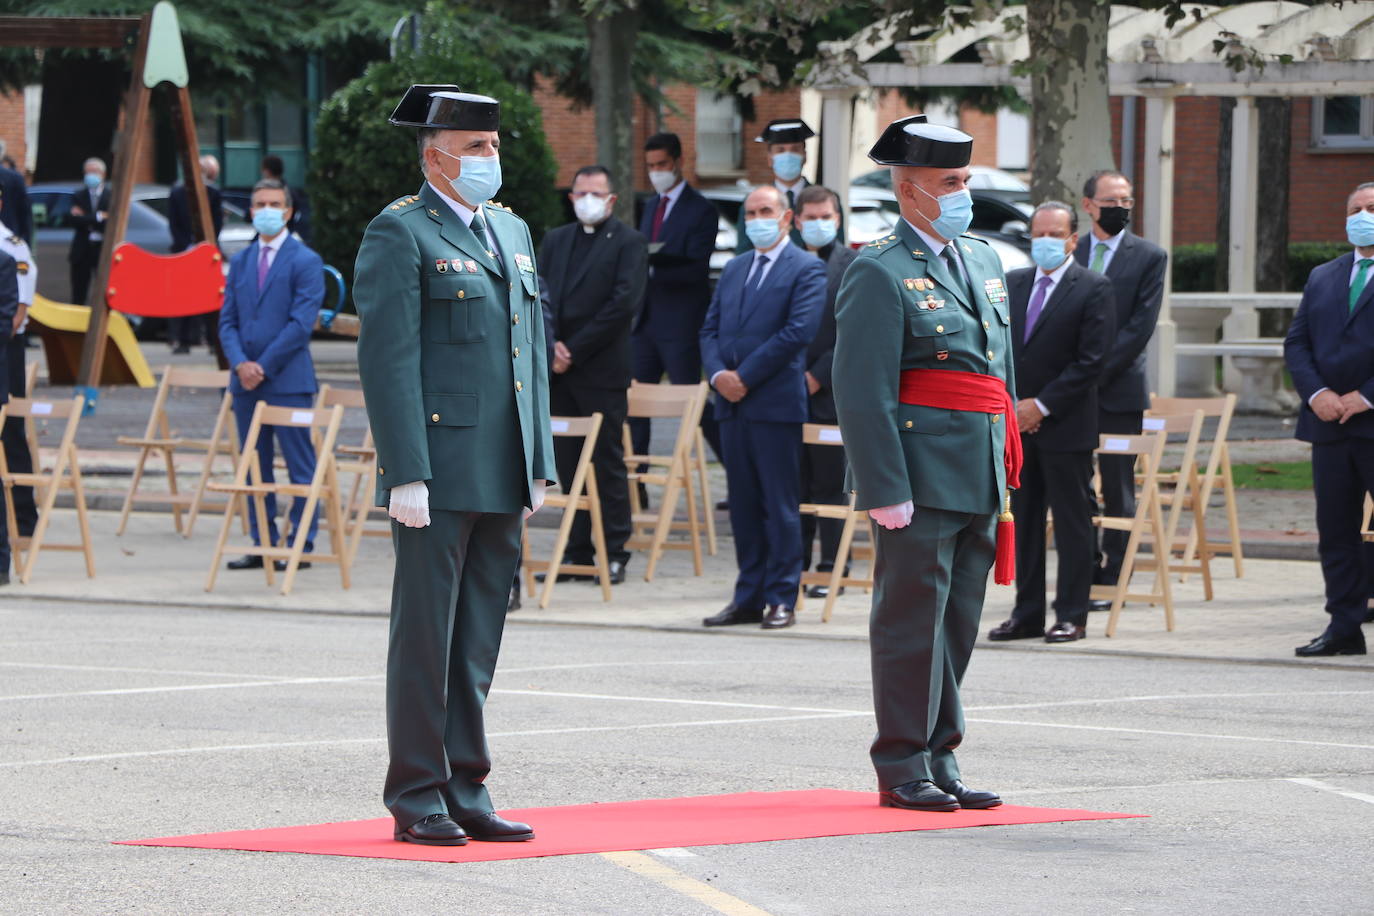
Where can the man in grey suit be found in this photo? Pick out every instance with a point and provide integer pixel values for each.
(1136, 269)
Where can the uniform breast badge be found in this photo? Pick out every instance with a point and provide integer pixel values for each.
(441, 265)
(523, 263)
(996, 292)
(471, 266)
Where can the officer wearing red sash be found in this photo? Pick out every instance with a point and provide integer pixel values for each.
(924, 391)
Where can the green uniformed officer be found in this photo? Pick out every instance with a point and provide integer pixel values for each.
(921, 377)
(452, 358)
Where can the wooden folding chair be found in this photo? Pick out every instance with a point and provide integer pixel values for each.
(360, 461)
(835, 579)
(673, 472)
(30, 428)
(322, 489)
(65, 475)
(1148, 521)
(1218, 472)
(704, 487)
(1178, 492)
(580, 495)
(159, 438)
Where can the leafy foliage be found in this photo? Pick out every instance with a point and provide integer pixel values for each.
(361, 163)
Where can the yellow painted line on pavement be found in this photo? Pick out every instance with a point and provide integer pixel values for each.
(703, 893)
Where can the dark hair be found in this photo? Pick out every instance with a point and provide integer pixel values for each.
(272, 184)
(591, 171)
(273, 166)
(1059, 205)
(817, 194)
(667, 142)
(1090, 186)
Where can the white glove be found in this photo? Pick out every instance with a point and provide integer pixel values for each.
(536, 497)
(893, 517)
(410, 504)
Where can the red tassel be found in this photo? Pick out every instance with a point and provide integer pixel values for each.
(1004, 569)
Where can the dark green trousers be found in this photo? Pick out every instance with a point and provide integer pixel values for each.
(448, 609)
(929, 581)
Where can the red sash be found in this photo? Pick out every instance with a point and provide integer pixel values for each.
(952, 389)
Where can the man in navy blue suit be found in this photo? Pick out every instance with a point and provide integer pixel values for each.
(765, 311)
(273, 293)
(1330, 354)
(680, 226)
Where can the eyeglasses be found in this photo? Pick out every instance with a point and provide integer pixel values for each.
(1126, 202)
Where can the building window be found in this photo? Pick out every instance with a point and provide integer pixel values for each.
(718, 133)
(1343, 121)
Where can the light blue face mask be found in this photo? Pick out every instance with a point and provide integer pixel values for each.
(762, 232)
(269, 221)
(479, 180)
(819, 232)
(92, 180)
(1359, 229)
(787, 166)
(1047, 252)
(956, 212)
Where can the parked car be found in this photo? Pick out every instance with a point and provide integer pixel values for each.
(1004, 223)
(147, 228)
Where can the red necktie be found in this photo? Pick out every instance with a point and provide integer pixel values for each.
(658, 217)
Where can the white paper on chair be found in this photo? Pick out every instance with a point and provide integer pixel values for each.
(1152, 424)
(302, 416)
(829, 435)
(41, 408)
(1116, 445)
(558, 426)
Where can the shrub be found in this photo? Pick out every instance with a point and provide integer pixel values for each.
(1194, 266)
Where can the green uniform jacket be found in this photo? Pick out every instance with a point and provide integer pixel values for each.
(452, 356)
(939, 459)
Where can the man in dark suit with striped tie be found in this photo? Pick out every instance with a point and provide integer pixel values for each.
(1330, 354)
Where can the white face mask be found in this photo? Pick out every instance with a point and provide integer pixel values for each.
(590, 209)
(662, 180)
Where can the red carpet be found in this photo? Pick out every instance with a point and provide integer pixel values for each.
(708, 820)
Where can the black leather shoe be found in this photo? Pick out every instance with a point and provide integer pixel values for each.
(4, 578)
(492, 828)
(249, 562)
(732, 615)
(1099, 605)
(566, 577)
(514, 603)
(1327, 645)
(921, 795)
(280, 565)
(1011, 629)
(778, 616)
(434, 830)
(643, 497)
(971, 798)
(617, 570)
(1065, 632)
(723, 505)
(821, 591)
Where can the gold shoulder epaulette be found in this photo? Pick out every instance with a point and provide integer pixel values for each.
(14, 239)
(882, 242)
(403, 202)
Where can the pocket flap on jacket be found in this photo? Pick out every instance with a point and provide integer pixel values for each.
(457, 287)
(450, 410)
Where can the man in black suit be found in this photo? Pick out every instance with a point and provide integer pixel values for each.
(273, 168)
(90, 205)
(184, 333)
(594, 271)
(1136, 269)
(822, 466)
(1062, 322)
(17, 214)
(1330, 354)
(680, 226)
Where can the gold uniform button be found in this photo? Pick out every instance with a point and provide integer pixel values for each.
(939, 329)
(517, 352)
(510, 285)
(381, 471)
(519, 386)
(515, 320)
(462, 293)
(997, 418)
(991, 355)
(986, 326)
(434, 417)
(908, 424)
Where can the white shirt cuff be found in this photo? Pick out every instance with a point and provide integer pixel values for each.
(1041, 404)
(1314, 395)
(714, 376)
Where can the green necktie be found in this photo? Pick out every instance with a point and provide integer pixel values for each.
(1099, 257)
(1361, 278)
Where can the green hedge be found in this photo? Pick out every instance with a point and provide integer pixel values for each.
(1194, 266)
(361, 163)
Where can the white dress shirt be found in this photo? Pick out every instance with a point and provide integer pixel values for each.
(673, 194)
(1054, 277)
(272, 248)
(1112, 244)
(770, 258)
(937, 249)
(467, 215)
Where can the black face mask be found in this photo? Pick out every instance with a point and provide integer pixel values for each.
(1113, 219)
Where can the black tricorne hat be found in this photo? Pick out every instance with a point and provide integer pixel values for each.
(786, 130)
(914, 142)
(446, 107)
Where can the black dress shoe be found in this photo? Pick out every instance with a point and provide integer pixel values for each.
(434, 830)
(1065, 632)
(643, 497)
(723, 505)
(248, 562)
(514, 603)
(1328, 645)
(4, 578)
(566, 577)
(732, 615)
(920, 795)
(1099, 605)
(180, 349)
(492, 828)
(821, 591)
(971, 798)
(617, 570)
(1011, 629)
(280, 565)
(778, 616)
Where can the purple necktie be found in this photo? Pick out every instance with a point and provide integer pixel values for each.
(1037, 304)
(263, 264)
